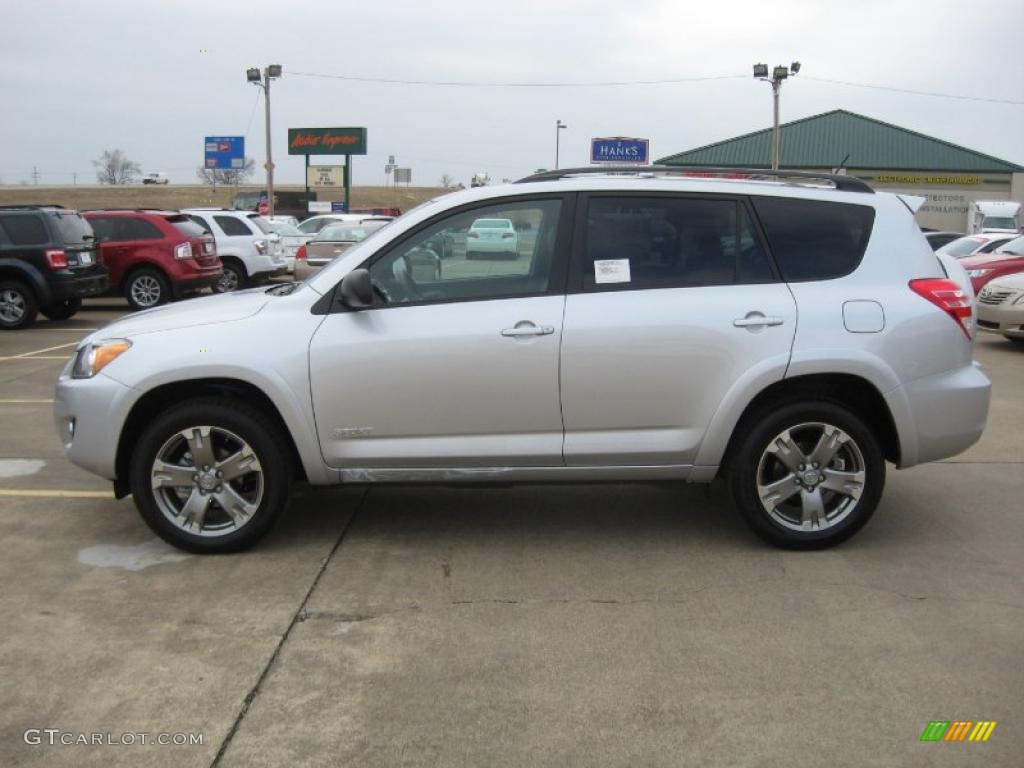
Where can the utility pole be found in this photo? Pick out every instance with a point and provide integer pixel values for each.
(779, 74)
(559, 126)
(35, 175)
(74, 178)
(270, 72)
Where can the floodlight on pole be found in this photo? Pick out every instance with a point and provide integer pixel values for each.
(559, 126)
(252, 75)
(779, 73)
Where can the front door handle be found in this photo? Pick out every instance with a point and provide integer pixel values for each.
(526, 328)
(756, 320)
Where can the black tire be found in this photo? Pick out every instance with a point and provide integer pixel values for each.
(146, 288)
(782, 526)
(251, 426)
(18, 305)
(62, 310)
(234, 278)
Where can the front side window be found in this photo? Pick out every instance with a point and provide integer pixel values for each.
(232, 226)
(455, 259)
(666, 242)
(137, 229)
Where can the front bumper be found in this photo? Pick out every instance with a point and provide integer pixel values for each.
(940, 416)
(89, 415)
(1004, 318)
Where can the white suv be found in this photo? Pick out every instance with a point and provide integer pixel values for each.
(789, 333)
(249, 254)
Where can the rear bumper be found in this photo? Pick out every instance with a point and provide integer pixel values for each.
(78, 285)
(940, 416)
(193, 284)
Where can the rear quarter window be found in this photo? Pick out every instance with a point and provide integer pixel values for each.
(815, 239)
(186, 226)
(232, 226)
(73, 228)
(24, 229)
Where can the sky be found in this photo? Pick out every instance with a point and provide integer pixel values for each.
(153, 77)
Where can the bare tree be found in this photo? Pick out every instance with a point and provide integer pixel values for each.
(447, 181)
(113, 167)
(227, 176)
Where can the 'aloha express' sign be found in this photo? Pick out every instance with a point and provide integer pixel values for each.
(326, 141)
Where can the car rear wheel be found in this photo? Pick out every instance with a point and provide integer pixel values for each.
(146, 288)
(232, 279)
(210, 475)
(62, 310)
(18, 305)
(807, 475)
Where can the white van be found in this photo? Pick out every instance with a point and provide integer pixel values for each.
(994, 216)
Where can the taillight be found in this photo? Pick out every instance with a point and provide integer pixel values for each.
(948, 296)
(261, 246)
(183, 251)
(301, 253)
(507, 235)
(56, 258)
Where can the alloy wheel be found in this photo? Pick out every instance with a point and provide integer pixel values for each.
(12, 306)
(146, 291)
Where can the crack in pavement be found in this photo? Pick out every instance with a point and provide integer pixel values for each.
(296, 618)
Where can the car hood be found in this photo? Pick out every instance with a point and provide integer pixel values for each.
(983, 260)
(205, 310)
(1014, 282)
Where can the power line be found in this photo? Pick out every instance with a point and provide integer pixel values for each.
(916, 93)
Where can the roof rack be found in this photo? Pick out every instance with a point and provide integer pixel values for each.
(30, 206)
(842, 183)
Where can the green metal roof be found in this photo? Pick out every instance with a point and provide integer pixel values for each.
(822, 141)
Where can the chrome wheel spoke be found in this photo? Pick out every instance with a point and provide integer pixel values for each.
(200, 445)
(812, 510)
(237, 464)
(846, 483)
(166, 475)
(237, 508)
(829, 443)
(193, 513)
(777, 492)
(785, 449)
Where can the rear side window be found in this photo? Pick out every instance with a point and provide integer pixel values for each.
(232, 226)
(186, 226)
(815, 239)
(24, 229)
(654, 242)
(73, 228)
(137, 229)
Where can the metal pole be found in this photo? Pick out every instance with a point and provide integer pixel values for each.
(307, 182)
(776, 84)
(270, 160)
(348, 182)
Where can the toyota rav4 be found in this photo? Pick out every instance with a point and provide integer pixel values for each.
(789, 333)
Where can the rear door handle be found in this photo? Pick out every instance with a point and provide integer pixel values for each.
(756, 319)
(526, 328)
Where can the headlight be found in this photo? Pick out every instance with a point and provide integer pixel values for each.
(1019, 299)
(94, 357)
(977, 272)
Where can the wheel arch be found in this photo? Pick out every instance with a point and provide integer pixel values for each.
(169, 394)
(16, 269)
(140, 265)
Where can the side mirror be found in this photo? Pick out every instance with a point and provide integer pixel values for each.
(357, 290)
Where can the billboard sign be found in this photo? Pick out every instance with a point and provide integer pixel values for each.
(224, 153)
(619, 149)
(326, 141)
(403, 175)
(324, 176)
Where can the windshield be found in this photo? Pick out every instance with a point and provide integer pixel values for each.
(1013, 248)
(73, 228)
(284, 229)
(965, 246)
(999, 222)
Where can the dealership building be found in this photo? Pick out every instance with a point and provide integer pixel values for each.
(886, 156)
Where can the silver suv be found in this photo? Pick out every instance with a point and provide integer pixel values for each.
(787, 333)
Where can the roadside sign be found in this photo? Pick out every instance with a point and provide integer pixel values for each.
(403, 175)
(337, 207)
(319, 206)
(619, 149)
(224, 152)
(263, 208)
(325, 176)
(326, 141)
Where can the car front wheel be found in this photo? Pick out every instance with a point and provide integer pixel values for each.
(18, 306)
(210, 475)
(807, 475)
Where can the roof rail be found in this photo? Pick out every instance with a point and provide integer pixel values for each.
(30, 206)
(842, 183)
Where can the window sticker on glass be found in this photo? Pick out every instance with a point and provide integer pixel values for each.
(611, 271)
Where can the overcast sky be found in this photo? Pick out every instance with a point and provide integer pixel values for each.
(80, 77)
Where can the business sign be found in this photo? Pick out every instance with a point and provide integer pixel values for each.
(224, 153)
(321, 176)
(403, 175)
(338, 207)
(326, 141)
(319, 206)
(619, 149)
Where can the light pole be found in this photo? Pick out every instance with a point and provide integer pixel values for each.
(559, 126)
(272, 72)
(779, 74)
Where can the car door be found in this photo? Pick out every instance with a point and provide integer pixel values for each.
(456, 364)
(672, 301)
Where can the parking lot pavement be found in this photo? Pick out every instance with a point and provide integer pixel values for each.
(535, 625)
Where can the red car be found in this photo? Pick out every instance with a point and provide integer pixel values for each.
(1004, 260)
(154, 256)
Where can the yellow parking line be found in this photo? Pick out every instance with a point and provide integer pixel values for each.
(41, 494)
(13, 401)
(48, 349)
